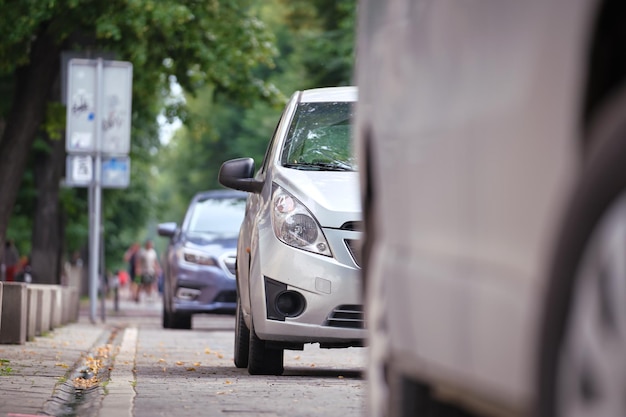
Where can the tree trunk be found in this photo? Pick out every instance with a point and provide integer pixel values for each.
(47, 238)
(33, 83)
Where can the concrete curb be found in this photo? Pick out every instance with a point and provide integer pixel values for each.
(29, 310)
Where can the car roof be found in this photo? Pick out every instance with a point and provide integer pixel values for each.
(219, 194)
(329, 94)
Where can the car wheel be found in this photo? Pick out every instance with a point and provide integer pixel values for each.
(242, 339)
(582, 367)
(180, 321)
(263, 360)
(167, 319)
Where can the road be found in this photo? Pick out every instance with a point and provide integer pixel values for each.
(191, 372)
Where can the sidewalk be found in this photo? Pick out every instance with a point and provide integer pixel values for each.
(52, 375)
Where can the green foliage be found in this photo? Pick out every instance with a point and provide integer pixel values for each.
(315, 48)
(237, 62)
(194, 43)
(5, 369)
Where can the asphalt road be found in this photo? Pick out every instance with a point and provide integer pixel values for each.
(191, 372)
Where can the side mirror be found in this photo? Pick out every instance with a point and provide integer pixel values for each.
(167, 229)
(238, 174)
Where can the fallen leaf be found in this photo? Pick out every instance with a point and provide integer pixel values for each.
(196, 364)
(161, 360)
(297, 357)
(207, 351)
(191, 369)
(179, 363)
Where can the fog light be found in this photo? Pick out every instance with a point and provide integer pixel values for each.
(187, 294)
(290, 303)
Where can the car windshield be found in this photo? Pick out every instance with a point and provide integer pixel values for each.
(319, 138)
(217, 218)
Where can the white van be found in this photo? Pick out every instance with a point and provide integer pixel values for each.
(491, 139)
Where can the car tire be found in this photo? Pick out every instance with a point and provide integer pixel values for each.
(242, 339)
(263, 360)
(167, 315)
(180, 321)
(582, 366)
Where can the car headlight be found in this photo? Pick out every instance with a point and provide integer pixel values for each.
(198, 258)
(295, 225)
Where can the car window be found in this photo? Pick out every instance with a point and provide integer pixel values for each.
(217, 217)
(320, 137)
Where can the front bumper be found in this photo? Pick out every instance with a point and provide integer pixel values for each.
(204, 289)
(329, 289)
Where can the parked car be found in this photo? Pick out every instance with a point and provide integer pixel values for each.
(298, 275)
(491, 139)
(199, 261)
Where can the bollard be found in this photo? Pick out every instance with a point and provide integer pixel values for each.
(31, 322)
(14, 308)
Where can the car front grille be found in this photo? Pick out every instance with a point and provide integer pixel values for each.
(347, 316)
(354, 247)
(226, 297)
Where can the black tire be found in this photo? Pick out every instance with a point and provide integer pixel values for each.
(167, 316)
(242, 339)
(180, 321)
(600, 187)
(263, 360)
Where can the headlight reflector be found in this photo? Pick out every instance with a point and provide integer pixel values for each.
(198, 258)
(295, 225)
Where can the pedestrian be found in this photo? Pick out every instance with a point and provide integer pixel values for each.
(11, 260)
(147, 268)
(25, 270)
(130, 256)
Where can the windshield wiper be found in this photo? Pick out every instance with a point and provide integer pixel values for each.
(318, 166)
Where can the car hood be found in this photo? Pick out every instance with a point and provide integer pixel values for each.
(332, 196)
(215, 246)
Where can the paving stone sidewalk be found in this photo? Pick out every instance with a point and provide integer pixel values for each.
(30, 373)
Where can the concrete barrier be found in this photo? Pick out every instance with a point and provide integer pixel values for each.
(44, 306)
(33, 307)
(56, 306)
(1, 291)
(14, 313)
(69, 305)
(31, 310)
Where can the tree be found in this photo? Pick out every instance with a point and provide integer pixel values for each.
(315, 44)
(216, 42)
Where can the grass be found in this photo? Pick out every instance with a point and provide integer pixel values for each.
(5, 369)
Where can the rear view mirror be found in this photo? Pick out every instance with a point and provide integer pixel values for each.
(238, 174)
(167, 229)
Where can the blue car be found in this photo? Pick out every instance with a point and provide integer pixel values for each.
(199, 261)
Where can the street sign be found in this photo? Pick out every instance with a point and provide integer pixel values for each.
(115, 172)
(82, 106)
(79, 172)
(98, 126)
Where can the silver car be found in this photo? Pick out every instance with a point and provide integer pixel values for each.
(491, 138)
(298, 275)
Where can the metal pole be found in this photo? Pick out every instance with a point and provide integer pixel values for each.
(103, 277)
(94, 248)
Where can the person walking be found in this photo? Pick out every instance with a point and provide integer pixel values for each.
(11, 260)
(130, 256)
(147, 268)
